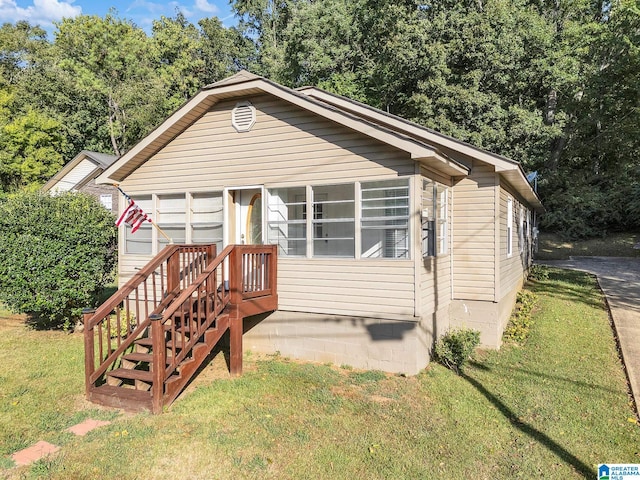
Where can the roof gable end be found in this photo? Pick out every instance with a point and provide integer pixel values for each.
(245, 84)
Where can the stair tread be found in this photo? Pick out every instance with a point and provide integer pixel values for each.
(148, 342)
(142, 357)
(132, 374)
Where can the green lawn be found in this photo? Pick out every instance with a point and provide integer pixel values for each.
(554, 408)
(552, 247)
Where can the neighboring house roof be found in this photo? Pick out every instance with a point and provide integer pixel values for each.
(423, 145)
(83, 168)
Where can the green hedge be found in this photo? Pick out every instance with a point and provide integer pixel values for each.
(56, 255)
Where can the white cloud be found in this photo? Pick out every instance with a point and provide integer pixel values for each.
(205, 6)
(42, 12)
(151, 7)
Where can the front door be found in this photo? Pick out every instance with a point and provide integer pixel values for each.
(248, 223)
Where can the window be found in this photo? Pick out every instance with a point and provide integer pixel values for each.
(334, 221)
(106, 200)
(286, 220)
(140, 242)
(385, 219)
(435, 208)
(170, 217)
(509, 227)
(521, 229)
(203, 220)
(442, 204)
(207, 218)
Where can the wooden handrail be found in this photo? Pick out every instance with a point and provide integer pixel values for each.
(188, 292)
(125, 315)
(196, 295)
(114, 300)
(104, 366)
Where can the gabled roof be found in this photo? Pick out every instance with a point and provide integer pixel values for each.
(423, 145)
(510, 169)
(245, 83)
(102, 161)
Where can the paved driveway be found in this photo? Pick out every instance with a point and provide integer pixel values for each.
(619, 279)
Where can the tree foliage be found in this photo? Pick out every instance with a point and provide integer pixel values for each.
(56, 255)
(31, 151)
(552, 84)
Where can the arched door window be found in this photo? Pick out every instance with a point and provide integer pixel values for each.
(254, 220)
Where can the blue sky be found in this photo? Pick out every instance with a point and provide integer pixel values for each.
(141, 12)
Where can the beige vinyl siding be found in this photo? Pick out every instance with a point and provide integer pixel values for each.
(435, 284)
(129, 265)
(474, 235)
(286, 146)
(512, 268)
(374, 288)
(435, 272)
(76, 175)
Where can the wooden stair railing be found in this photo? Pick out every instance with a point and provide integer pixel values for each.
(118, 322)
(156, 360)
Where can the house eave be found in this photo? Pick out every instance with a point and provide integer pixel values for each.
(510, 169)
(209, 96)
(83, 155)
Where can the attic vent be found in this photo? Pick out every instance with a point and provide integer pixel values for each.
(243, 116)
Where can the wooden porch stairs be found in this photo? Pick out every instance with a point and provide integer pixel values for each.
(144, 344)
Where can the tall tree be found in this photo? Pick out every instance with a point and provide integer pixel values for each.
(20, 48)
(111, 64)
(178, 50)
(265, 21)
(32, 150)
(225, 50)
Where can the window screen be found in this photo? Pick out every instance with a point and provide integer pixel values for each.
(207, 218)
(286, 220)
(334, 221)
(385, 219)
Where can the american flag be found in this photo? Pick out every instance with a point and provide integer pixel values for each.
(133, 216)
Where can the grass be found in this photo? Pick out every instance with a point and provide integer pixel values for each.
(552, 247)
(553, 408)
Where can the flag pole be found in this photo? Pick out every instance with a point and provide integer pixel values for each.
(162, 232)
(150, 220)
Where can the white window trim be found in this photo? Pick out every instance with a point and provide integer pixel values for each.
(437, 221)
(442, 223)
(509, 227)
(310, 208)
(521, 229)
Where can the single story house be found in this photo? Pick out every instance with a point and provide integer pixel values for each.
(389, 234)
(79, 175)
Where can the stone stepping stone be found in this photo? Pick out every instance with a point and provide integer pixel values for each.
(34, 453)
(42, 449)
(81, 429)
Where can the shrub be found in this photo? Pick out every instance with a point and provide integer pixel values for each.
(56, 255)
(519, 325)
(538, 272)
(455, 347)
